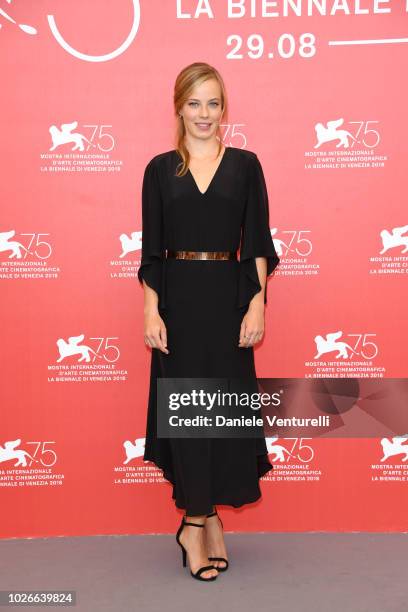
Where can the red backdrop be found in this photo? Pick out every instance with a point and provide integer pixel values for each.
(86, 102)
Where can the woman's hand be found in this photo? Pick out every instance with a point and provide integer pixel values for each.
(155, 333)
(253, 324)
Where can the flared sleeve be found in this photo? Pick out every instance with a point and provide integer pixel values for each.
(153, 261)
(256, 239)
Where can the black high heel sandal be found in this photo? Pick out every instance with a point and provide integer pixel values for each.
(220, 569)
(201, 569)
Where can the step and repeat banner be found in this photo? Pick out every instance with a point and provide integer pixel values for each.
(318, 90)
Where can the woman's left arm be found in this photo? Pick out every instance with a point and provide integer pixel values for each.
(253, 323)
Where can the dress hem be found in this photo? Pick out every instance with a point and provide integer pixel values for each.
(218, 501)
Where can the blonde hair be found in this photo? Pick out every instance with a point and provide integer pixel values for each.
(186, 80)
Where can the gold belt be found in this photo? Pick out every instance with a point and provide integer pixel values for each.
(202, 254)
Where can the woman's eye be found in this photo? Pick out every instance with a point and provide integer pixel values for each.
(193, 103)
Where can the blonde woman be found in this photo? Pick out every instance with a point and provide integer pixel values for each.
(204, 307)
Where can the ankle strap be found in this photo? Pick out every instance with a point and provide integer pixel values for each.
(212, 514)
(194, 524)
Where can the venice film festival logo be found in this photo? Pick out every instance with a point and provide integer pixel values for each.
(75, 347)
(124, 266)
(102, 357)
(394, 239)
(55, 31)
(331, 132)
(331, 342)
(22, 458)
(67, 134)
(15, 249)
(130, 244)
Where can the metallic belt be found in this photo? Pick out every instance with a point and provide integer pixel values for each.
(202, 254)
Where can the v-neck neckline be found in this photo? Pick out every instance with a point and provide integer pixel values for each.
(203, 193)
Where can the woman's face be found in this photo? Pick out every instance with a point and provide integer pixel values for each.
(202, 110)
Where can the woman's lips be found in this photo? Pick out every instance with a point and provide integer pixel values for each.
(203, 126)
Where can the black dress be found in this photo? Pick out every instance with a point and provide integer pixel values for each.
(202, 303)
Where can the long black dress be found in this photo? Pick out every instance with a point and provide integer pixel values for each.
(202, 303)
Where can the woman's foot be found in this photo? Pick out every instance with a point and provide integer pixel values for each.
(214, 536)
(193, 540)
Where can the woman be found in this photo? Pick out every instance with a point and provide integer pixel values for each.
(204, 308)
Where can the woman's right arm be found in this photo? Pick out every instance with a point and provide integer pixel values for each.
(151, 269)
(155, 332)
